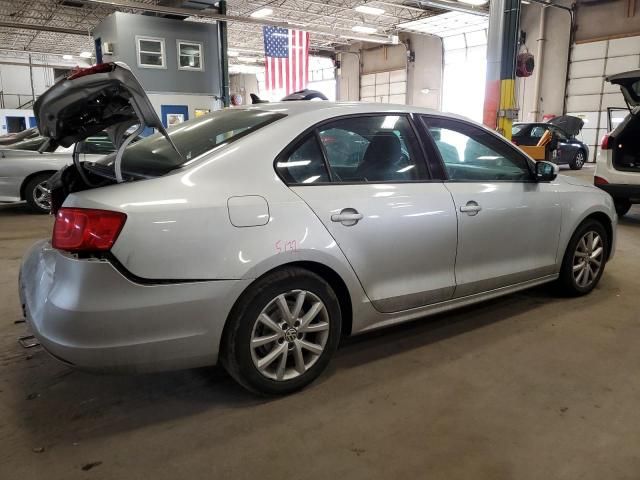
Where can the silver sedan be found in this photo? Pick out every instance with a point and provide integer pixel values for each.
(24, 170)
(257, 237)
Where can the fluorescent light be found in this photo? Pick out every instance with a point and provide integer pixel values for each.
(364, 29)
(85, 54)
(67, 57)
(389, 121)
(311, 179)
(232, 53)
(405, 169)
(263, 12)
(369, 10)
(474, 2)
(385, 40)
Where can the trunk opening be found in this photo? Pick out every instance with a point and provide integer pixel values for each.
(626, 145)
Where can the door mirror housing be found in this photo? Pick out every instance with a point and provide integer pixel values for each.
(546, 171)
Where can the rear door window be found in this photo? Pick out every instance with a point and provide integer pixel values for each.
(373, 148)
(305, 164)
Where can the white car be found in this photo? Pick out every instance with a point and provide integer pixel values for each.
(618, 164)
(257, 237)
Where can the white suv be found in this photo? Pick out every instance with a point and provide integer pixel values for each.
(618, 165)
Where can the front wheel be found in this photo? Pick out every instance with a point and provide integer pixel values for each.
(282, 332)
(578, 161)
(584, 259)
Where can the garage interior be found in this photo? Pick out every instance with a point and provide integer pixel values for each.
(530, 385)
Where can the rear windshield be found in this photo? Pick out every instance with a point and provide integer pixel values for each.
(154, 156)
(516, 129)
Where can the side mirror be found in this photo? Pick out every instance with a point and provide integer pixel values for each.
(546, 171)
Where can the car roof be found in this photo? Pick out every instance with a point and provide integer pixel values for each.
(293, 108)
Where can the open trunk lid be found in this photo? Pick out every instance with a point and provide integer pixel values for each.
(629, 83)
(106, 96)
(569, 124)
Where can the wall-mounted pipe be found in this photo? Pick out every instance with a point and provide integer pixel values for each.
(539, 63)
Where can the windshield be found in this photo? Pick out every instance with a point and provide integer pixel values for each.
(154, 156)
(516, 129)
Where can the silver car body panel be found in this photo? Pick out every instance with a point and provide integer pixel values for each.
(189, 253)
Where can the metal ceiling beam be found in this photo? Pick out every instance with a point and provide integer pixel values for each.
(211, 15)
(44, 28)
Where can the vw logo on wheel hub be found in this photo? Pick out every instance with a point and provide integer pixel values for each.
(291, 334)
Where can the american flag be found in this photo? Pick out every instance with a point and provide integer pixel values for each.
(286, 59)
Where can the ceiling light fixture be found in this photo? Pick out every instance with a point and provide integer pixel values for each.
(371, 39)
(369, 10)
(364, 29)
(475, 3)
(263, 12)
(85, 54)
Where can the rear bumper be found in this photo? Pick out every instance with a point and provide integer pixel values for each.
(619, 190)
(87, 314)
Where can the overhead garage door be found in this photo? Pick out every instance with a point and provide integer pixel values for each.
(384, 87)
(588, 95)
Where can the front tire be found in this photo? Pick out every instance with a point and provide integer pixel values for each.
(578, 161)
(282, 332)
(584, 259)
(37, 194)
(623, 205)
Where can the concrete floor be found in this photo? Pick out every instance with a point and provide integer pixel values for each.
(529, 386)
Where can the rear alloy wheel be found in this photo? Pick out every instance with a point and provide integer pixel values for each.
(282, 332)
(37, 193)
(578, 161)
(289, 335)
(584, 259)
(622, 205)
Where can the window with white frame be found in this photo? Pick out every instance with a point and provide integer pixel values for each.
(151, 52)
(190, 55)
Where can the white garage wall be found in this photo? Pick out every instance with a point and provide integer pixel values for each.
(419, 83)
(15, 76)
(588, 94)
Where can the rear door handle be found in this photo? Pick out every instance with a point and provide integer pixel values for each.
(348, 217)
(472, 208)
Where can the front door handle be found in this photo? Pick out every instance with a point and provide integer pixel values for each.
(471, 208)
(347, 216)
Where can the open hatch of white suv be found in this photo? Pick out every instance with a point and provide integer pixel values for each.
(618, 164)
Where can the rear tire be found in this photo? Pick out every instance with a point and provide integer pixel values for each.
(585, 259)
(623, 205)
(578, 161)
(36, 193)
(282, 332)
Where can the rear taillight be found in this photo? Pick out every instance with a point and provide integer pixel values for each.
(86, 230)
(99, 68)
(515, 142)
(606, 143)
(599, 181)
